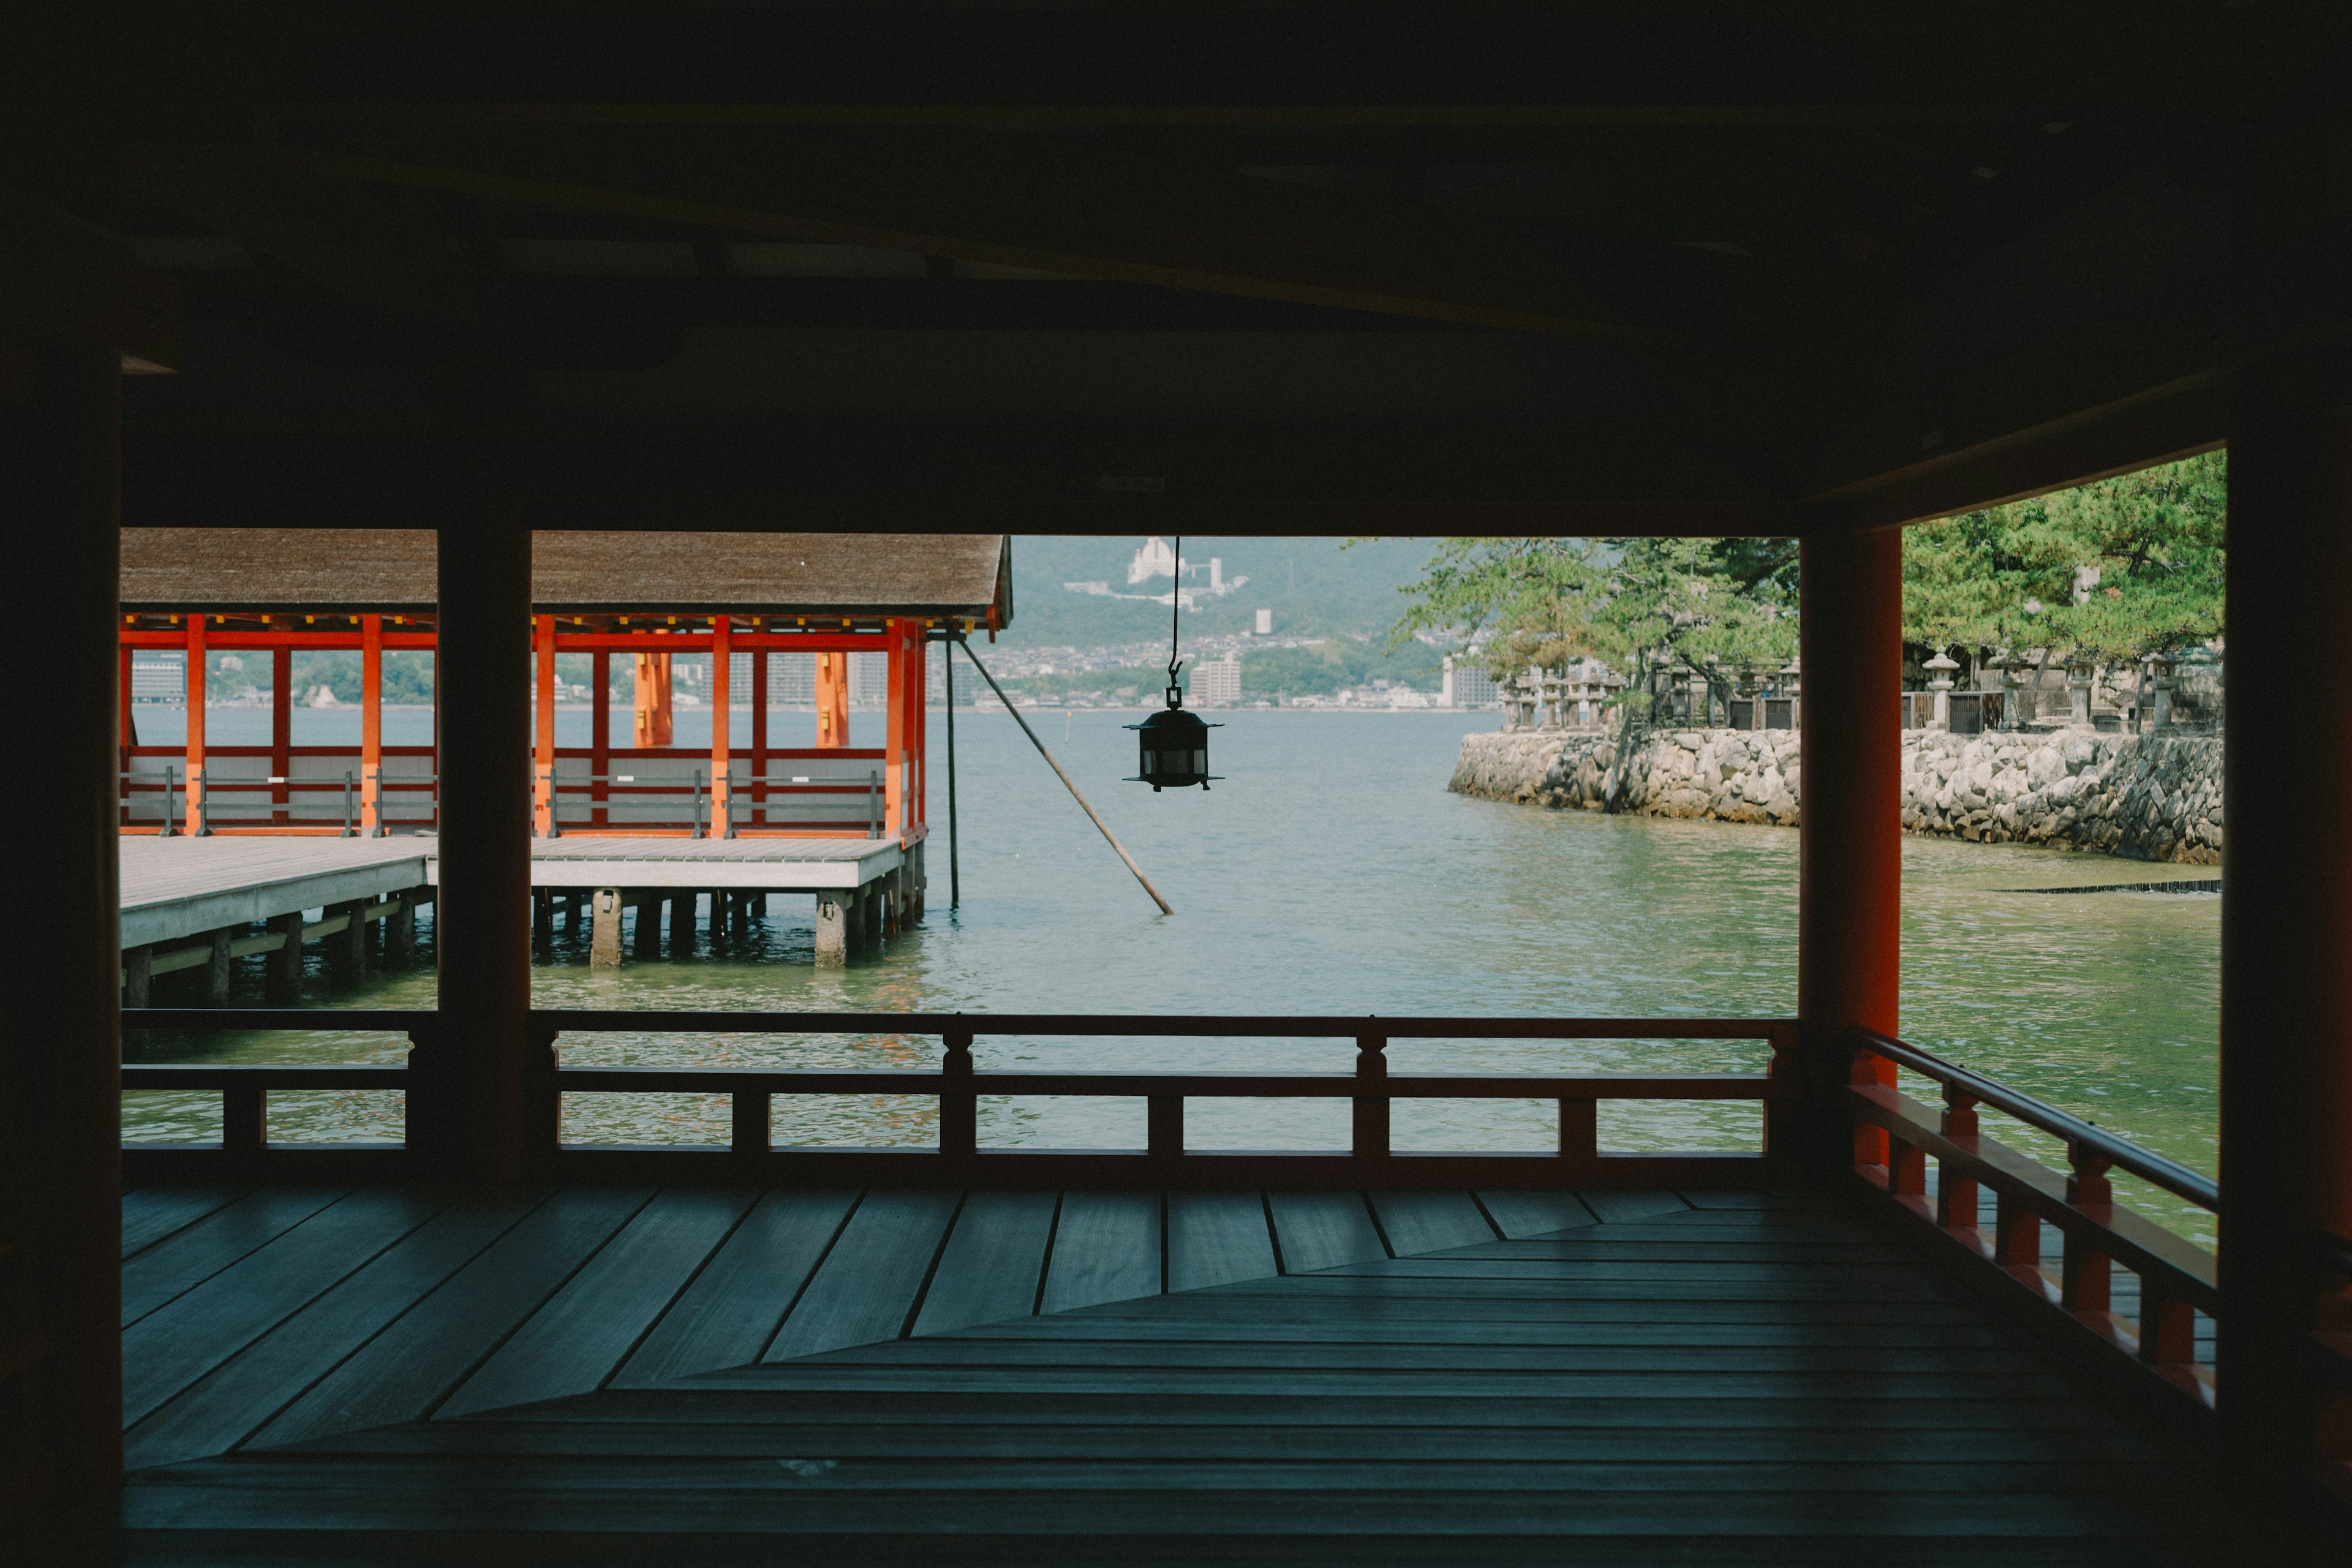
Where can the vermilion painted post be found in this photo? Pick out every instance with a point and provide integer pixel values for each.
(370, 726)
(126, 735)
(722, 706)
(600, 744)
(2286, 925)
(195, 729)
(1957, 1200)
(281, 733)
(542, 751)
(759, 737)
(1850, 888)
(894, 742)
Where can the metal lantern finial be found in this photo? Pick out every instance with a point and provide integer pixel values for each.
(1173, 746)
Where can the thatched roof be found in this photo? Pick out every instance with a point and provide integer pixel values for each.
(351, 571)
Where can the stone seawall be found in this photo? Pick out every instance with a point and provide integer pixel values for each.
(2149, 798)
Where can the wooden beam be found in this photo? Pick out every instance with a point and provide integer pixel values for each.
(995, 199)
(376, 247)
(63, 282)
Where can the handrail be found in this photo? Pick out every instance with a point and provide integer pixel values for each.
(1139, 1026)
(2124, 1155)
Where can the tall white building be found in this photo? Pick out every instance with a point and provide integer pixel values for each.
(1218, 683)
(1467, 684)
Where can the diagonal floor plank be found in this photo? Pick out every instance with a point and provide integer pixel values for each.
(867, 1285)
(730, 1312)
(1107, 1248)
(994, 1261)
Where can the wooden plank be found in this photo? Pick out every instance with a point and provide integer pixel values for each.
(1214, 1238)
(585, 1330)
(866, 1287)
(1053, 1354)
(754, 1498)
(1581, 1331)
(1615, 1305)
(619, 1435)
(729, 1314)
(1107, 1248)
(1322, 1230)
(993, 1264)
(1798, 1201)
(194, 1254)
(235, 1398)
(1519, 1213)
(180, 1342)
(1622, 1207)
(428, 1351)
(1429, 1221)
(151, 1214)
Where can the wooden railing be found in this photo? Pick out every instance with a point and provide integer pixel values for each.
(2176, 1277)
(957, 1084)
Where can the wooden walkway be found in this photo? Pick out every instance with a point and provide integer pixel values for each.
(184, 886)
(1124, 1377)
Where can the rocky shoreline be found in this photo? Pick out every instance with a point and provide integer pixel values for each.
(2148, 797)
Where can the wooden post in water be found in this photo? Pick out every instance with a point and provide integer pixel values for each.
(471, 1116)
(2286, 926)
(604, 933)
(1850, 881)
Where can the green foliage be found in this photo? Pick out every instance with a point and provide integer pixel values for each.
(1550, 602)
(2106, 572)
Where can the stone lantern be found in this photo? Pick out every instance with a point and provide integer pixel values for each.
(2160, 680)
(2079, 670)
(1941, 683)
(2006, 662)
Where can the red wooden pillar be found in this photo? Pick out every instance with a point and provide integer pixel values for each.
(466, 1106)
(654, 726)
(370, 726)
(195, 701)
(722, 706)
(127, 735)
(894, 742)
(2286, 926)
(542, 766)
(759, 737)
(832, 700)
(600, 744)
(61, 1034)
(281, 733)
(1850, 882)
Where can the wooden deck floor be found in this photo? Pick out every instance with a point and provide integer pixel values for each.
(713, 1375)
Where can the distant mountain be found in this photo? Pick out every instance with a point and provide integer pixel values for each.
(1312, 585)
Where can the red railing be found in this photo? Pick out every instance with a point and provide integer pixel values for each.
(2176, 1277)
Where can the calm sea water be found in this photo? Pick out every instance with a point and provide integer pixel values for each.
(1331, 872)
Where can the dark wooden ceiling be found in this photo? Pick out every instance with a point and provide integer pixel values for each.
(1700, 267)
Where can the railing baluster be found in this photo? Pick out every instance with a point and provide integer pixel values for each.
(1163, 1126)
(2017, 1241)
(1372, 1114)
(1907, 1175)
(1579, 1131)
(751, 1133)
(2086, 1273)
(959, 1113)
(2167, 1327)
(1957, 1201)
(245, 1121)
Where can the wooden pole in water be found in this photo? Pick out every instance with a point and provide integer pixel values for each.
(1097, 821)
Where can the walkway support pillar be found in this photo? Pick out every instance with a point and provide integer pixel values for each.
(470, 1122)
(2286, 928)
(1850, 881)
(60, 1077)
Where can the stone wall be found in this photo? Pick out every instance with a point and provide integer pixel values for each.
(2146, 796)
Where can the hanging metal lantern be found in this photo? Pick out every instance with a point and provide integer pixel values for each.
(1173, 746)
